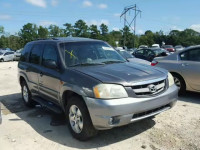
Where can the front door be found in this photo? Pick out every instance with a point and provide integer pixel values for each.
(190, 64)
(49, 78)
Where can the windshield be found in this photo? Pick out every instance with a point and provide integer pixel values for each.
(89, 53)
(125, 54)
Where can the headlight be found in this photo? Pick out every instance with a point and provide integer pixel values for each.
(108, 91)
(170, 79)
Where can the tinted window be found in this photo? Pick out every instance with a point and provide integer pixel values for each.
(191, 55)
(6, 54)
(35, 54)
(49, 54)
(25, 52)
(140, 52)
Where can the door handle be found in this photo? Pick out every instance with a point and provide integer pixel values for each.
(41, 74)
(184, 65)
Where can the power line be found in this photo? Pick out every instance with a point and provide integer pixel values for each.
(126, 10)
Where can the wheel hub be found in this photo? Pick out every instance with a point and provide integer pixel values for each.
(75, 118)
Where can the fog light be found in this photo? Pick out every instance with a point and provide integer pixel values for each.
(111, 121)
(114, 120)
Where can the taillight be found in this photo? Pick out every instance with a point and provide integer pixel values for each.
(153, 63)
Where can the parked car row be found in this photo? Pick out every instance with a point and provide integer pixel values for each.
(8, 55)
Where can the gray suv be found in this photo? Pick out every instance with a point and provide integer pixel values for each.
(94, 86)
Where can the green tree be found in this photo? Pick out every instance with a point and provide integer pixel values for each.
(69, 29)
(81, 29)
(104, 29)
(28, 32)
(94, 32)
(42, 32)
(1, 29)
(54, 31)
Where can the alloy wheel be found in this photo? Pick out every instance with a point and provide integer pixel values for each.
(76, 119)
(25, 94)
(177, 82)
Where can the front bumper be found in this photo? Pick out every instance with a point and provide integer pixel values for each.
(106, 114)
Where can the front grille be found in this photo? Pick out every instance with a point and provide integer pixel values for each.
(150, 111)
(149, 89)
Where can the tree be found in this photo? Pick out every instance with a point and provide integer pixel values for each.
(81, 29)
(42, 32)
(128, 36)
(94, 32)
(28, 32)
(104, 29)
(54, 31)
(69, 29)
(1, 29)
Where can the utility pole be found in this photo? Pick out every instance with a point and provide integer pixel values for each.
(126, 10)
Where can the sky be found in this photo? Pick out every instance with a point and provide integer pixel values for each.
(165, 15)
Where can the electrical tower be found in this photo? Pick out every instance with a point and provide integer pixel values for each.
(126, 22)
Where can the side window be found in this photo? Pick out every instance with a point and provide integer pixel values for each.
(25, 52)
(191, 55)
(139, 52)
(35, 54)
(49, 55)
(6, 53)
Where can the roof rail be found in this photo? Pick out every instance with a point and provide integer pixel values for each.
(44, 39)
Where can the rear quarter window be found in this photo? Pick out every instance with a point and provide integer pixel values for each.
(25, 53)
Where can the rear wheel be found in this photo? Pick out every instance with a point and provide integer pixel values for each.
(26, 95)
(2, 60)
(180, 83)
(79, 121)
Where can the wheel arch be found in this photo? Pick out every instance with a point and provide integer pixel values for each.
(178, 74)
(67, 94)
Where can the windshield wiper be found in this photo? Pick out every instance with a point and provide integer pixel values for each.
(113, 61)
(86, 64)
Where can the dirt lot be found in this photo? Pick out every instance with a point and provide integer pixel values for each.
(23, 128)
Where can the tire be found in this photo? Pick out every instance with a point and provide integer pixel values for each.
(26, 95)
(179, 81)
(80, 119)
(2, 60)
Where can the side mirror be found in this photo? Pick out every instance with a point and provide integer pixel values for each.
(50, 64)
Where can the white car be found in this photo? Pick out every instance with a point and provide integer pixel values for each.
(6, 56)
(17, 54)
(155, 46)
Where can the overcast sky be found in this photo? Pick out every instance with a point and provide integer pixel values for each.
(156, 15)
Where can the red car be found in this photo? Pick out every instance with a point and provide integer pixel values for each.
(169, 48)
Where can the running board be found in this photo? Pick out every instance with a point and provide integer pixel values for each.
(49, 105)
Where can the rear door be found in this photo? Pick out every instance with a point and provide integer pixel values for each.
(49, 78)
(33, 68)
(190, 67)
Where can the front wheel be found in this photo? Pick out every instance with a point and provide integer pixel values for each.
(79, 121)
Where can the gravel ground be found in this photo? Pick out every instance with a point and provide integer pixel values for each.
(23, 128)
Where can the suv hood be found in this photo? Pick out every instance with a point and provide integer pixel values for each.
(125, 74)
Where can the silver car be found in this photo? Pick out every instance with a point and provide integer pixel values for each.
(185, 68)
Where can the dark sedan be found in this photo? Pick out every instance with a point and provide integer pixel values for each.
(150, 54)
